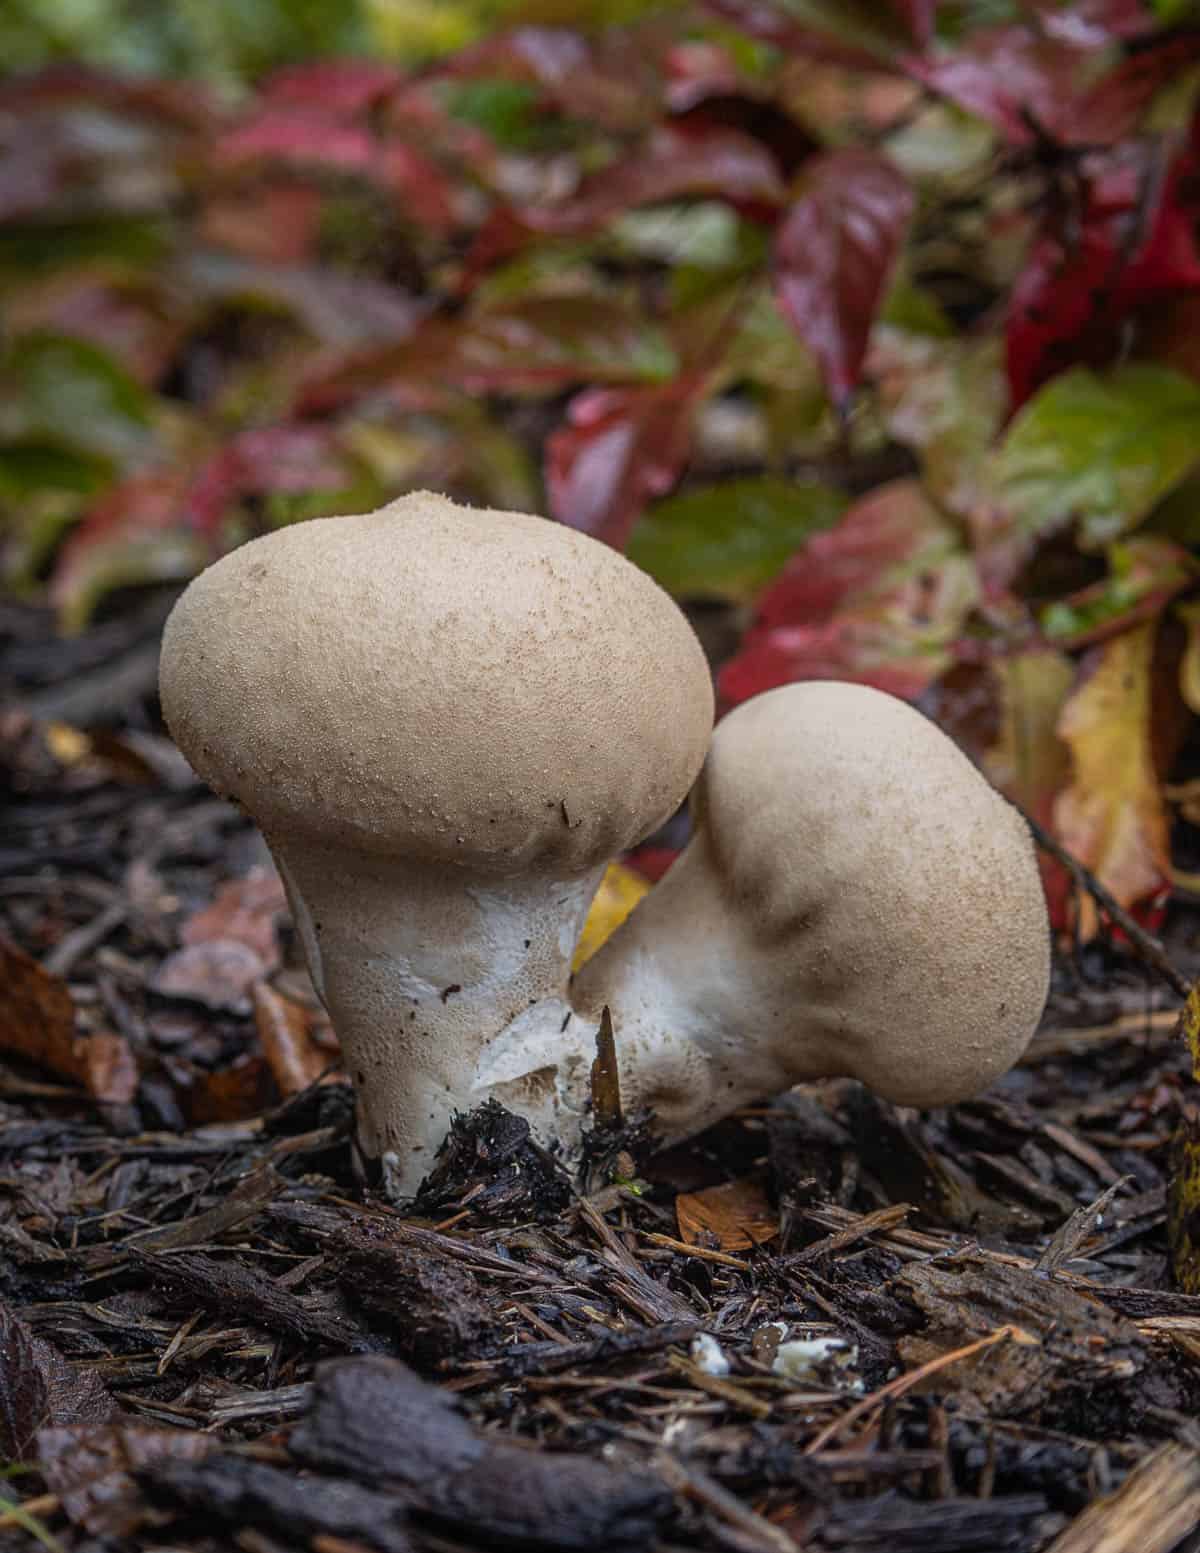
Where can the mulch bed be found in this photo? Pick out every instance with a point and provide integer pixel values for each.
(826, 1324)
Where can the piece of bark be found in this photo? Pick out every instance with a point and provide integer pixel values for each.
(229, 1288)
(240, 1492)
(375, 1420)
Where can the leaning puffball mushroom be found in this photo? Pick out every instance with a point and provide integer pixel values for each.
(856, 901)
(445, 722)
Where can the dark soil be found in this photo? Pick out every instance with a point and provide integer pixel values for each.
(213, 1334)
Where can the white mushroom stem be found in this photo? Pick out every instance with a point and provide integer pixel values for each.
(421, 966)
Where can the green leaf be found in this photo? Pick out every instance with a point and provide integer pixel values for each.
(126, 561)
(68, 391)
(729, 540)
(1099, 449)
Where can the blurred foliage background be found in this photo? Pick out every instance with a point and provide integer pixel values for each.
(870, 329)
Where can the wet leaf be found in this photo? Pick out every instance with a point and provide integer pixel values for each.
(246, 911)
(219, 973)
(617, 450)
(1098, 450)
(131, 536)
(835, 251)
(674, 161)
(1145, 573)
(736, 1215)
(38, 1387)
(946, 399)
(1112, 816)
(858, 34)
(283, 1033)
(533, 345)
(1072, 298)
(729, 540)
(1027, 760)
(92, 1470)
(73, 392)
(878, 599)
(1018, 78)
(233, 1094)
(37, 1022)
(620, 891)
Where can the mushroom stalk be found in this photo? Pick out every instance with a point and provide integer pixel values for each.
(421, 966)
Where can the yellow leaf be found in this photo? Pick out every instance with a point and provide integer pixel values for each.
(738, 1214)
(68, 745)
(1189, 668)
(1183, 1204)
(1112, 817)
(619, 892)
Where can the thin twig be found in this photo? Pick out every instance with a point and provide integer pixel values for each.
(1146, 945)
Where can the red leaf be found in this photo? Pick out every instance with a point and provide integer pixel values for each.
(610, 79)
(536, 343)
(1088, 23)
(699, 69)
(834, 254)
(1070, 300)
(673, 161)
(619, 448)
(341, 87)
(773, 24)
(179, 103)
(290, 458)
(877, 600)
(1012, 77)
(304, 135)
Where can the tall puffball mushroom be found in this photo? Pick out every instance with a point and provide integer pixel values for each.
(856, 901)
(445, 722)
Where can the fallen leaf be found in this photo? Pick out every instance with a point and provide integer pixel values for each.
(37, 1022)
(730, 540)
(1028, 761)
(835, 251)
(283, 1033)
(620, 891)
(246, 911)
(738, 1214)
(619, 448)
(39, 1387)
(234, 1094)
(877, 599)
(1112, 816)
(1100, 450)
(218, 973)
(94, 1471)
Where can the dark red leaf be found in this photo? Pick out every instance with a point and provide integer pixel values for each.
(610, 78)
(538, 343)
(179, 103)
(300, 135)
(773, 24)
(1070, 301)
(878, 600)
(341, 87)
(1113, 108)
(673, 161)
(918, 16)
(290, 458)
(696, 70)
(834, 255)
(1017, 79)
(1090, 23)
(619, 448)
(427, 195)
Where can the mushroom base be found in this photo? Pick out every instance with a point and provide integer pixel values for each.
(423, 968)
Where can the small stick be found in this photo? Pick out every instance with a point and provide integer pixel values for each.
(1147, 946)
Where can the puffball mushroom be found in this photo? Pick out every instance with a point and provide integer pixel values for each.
(856, 901)
(445, 722)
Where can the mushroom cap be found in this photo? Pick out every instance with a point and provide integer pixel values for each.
(896, 891)
(440, 683)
